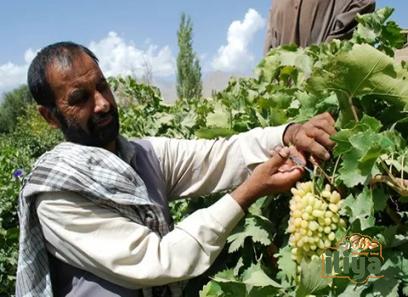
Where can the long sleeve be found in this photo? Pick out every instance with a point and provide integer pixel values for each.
(98, 240)
(201, 167)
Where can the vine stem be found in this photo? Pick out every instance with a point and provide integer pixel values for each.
(397, 184)
(335, 169)
(326, 176)
(353, 109)
(402, 166)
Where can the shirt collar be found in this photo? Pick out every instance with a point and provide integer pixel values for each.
(126, 150)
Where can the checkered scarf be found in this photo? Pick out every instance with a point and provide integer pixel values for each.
(97, 175)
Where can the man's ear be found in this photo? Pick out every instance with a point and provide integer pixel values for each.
(47, 114)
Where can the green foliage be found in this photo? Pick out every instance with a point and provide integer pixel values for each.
(19, 149)
(357, 81)
(14, 105)
(366, 90)
(256, 228)
(254, 282)
(143, 113)
(189, 85)
(376, 30)
(310, 280)
(10, 159)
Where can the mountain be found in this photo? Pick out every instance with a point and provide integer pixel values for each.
(212, 81)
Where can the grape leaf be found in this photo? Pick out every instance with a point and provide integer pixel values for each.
(225, 276)
(374, 29)
(211, 289)
(255, 227)
(311, 280)
(388, 285)
(359, 72)
(263, 292)
(405, 289)
(359, 163)
(372, 123)
(254, 276)
(287, 267)
(220, 118)
(223, 289)
(379, 199)
(342, 139)
(361, 208)
(288, 55)
(350, 173)
(352, 290)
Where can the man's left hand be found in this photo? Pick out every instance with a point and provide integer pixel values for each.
(313, 136)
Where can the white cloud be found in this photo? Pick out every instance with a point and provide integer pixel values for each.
(235, 55)
(29, 55)
(13, 75)
(118, 57)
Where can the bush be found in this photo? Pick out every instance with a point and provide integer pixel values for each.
(19, 149)
(14, 106)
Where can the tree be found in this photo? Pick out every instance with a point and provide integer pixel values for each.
(147, 77)
(14, 105)
(189, 83)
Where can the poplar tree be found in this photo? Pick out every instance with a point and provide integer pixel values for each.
(189, 85)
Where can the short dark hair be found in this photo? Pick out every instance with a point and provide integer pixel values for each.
(62, 52)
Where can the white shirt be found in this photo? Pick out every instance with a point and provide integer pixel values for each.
(96, 239)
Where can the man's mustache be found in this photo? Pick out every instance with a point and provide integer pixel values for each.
(95, 119)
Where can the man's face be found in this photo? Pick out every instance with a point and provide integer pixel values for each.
(85, 106)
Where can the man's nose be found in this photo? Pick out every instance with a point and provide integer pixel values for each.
(102, 105)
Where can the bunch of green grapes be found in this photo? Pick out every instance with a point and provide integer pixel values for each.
(314, 219)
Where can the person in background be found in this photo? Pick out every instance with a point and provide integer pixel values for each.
(306, 22)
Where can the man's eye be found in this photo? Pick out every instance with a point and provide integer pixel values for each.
(78, 98)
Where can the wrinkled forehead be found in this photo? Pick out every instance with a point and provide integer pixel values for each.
(69, 66)
(71, 60)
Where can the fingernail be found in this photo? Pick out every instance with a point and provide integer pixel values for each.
(327, 156)
(284, 152)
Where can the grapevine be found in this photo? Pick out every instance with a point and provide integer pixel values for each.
(361, 84)
(272, 252)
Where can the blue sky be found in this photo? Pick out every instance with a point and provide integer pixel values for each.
(139, 30)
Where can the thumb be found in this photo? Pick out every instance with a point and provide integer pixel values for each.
(278, 158)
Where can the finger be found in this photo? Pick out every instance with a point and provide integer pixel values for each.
(325, 126)
(326, 116)
(319, 151)
(314, 148)
(322, 137)
(288, 168)
(277, 159)
(294, 153)
(284, 152)
(275, 150)
(289, 178)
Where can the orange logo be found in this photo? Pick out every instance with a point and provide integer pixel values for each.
(357, 257)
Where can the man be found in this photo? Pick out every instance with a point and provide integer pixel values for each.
(306, 22)
(94, 211)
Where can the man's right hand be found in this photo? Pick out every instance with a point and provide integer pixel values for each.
(278, 174)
